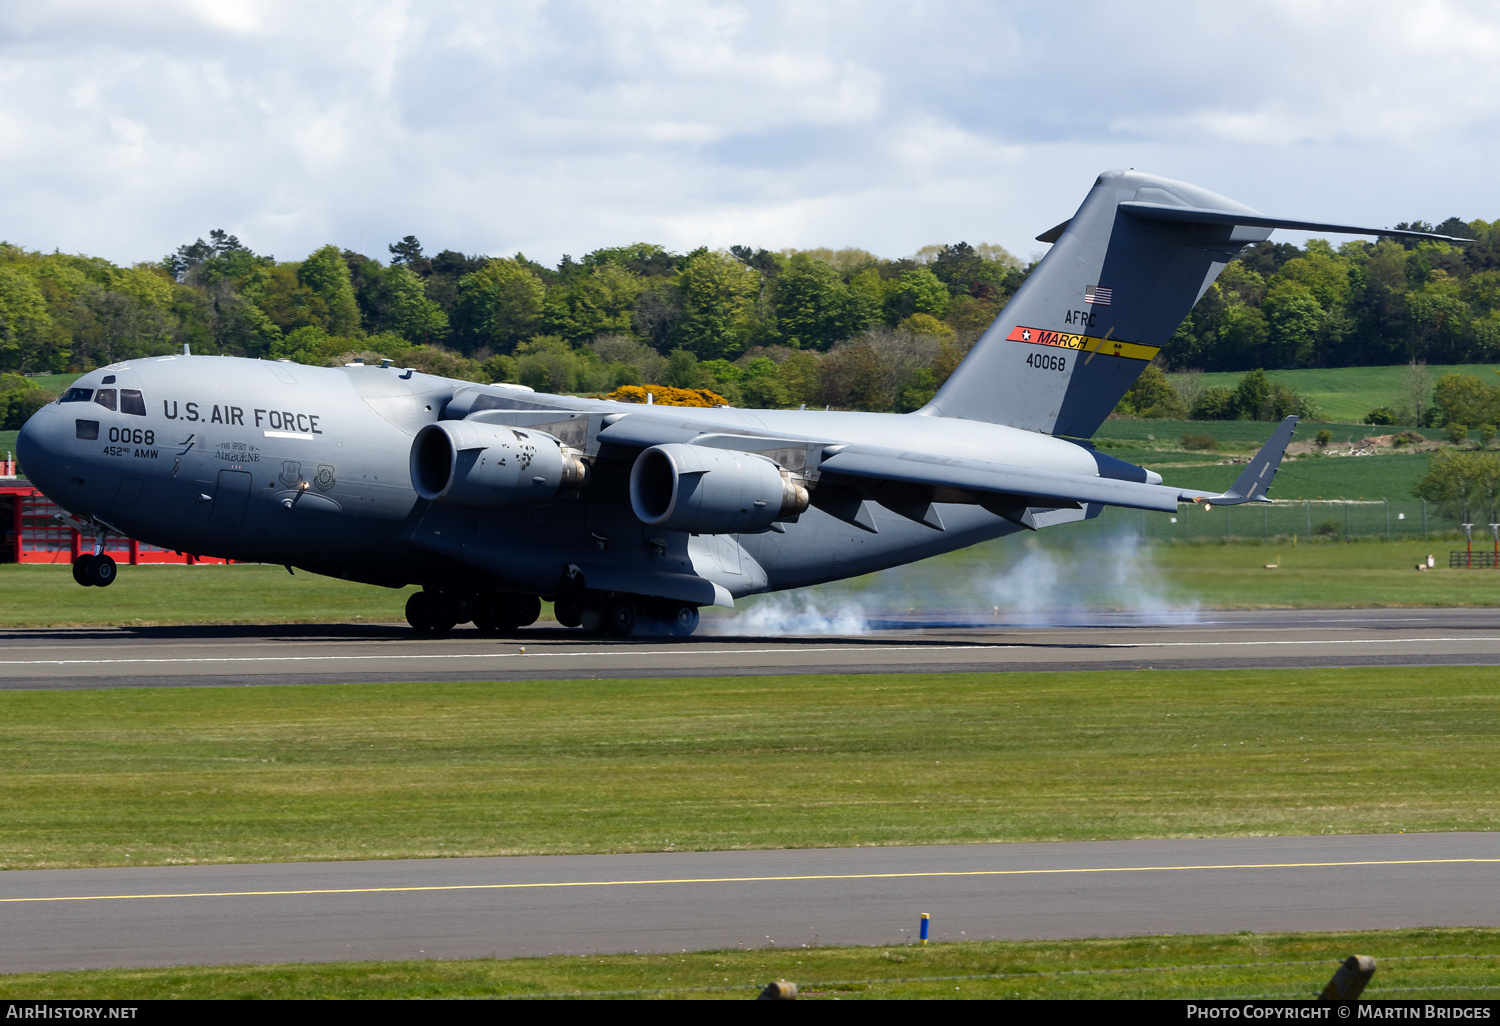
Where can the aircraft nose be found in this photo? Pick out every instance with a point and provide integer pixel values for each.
(41, 448)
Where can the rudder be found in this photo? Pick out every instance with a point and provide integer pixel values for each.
(1097, 309)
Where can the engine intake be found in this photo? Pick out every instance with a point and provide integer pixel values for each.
(696, 488)
(491, 466)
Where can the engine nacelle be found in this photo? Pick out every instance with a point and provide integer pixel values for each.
(491, 466)
(695, 488)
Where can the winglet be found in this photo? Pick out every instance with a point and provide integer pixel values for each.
(1255, 480)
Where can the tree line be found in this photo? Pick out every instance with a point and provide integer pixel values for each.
(842, 328)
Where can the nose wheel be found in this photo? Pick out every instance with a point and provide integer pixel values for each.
(93, 571)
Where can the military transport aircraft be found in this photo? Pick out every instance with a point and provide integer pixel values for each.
(493, 497)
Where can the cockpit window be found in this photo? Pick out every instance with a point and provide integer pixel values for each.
(88, 430)
(77, 395)
(108, 379)
(132, 403)
(106, 398)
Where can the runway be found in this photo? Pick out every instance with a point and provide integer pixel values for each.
(509, 907)
(230, 655)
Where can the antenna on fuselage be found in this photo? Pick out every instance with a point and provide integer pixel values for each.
(187, 350)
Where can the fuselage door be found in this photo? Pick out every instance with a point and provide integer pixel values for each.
(230, 499)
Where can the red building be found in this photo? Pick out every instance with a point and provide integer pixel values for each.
(31, 532)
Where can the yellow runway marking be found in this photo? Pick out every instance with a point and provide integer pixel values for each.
(753, 879)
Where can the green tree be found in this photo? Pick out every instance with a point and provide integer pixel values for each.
(1293, 319)
(596, 301)
(501, 303)
(917, 291)
(1251, 394)
(1439, 318)
(1152, 397)
(327, 275)
(1216, 403)
(24, 322)
(855, 377)
(20, 397)
(412, 314)
(1465, 399)
(1457, 481)
(1242, 337)
(814, 306)
(715, 289)
(798, 373)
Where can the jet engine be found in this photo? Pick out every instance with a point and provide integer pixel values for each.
(695, 488)
(490, 466)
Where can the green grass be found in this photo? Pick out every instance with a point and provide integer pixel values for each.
(8, 442)
(1208, 574)
(1389, 476)
(45, 595)
(212, 775)
(1446, 964)
(1348, 393)
(55, 383)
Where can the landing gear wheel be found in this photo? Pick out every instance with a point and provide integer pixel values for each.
(440, 618)
(620, 616)
(591, 618)
(81, 569)
(489, 614)
(416, 612)
(527, 608)
(568, 610)
(100, 572)
(682, 620)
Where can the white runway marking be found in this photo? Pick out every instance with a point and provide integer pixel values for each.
(616, 653)
(611, 652)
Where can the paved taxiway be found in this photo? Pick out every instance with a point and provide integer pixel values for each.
(186, 656)
(506, 907)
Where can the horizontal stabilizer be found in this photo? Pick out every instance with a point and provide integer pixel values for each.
(1203, 215)
(1255, 480)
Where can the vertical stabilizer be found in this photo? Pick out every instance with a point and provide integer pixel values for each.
(1099, 306)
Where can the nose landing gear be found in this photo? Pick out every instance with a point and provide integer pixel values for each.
(93, 571)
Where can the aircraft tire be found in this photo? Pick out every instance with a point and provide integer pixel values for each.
(527, 609)
(100, 571)
(416, 612)
(568, 610)
(591, 616)
(488, 614)
(621, 615)
(81, 569)
(682, 620)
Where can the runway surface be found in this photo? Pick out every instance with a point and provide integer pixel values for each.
(507, 907)
(228, 655)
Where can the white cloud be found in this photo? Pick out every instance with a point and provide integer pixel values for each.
(561, 127)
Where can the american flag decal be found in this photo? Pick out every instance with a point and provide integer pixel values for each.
(1098, 295)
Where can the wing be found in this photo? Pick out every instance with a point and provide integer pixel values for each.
(842, 476)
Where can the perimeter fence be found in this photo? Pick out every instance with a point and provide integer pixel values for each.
(1311, 521)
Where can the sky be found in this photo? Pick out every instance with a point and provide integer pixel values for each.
(128, 129)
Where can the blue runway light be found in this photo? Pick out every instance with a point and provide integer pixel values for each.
(926, 919)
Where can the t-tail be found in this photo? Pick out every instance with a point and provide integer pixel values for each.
(1121, 275)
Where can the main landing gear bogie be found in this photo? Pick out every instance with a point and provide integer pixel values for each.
(438, 612)
(495, 613)
(623, 615)
(93, 571)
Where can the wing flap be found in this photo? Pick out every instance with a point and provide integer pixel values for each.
(1016, 492)
(1038, 487)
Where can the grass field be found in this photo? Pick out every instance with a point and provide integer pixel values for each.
(1348, 393)
(1033, 572)
(190, 775)
(1449, 964)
